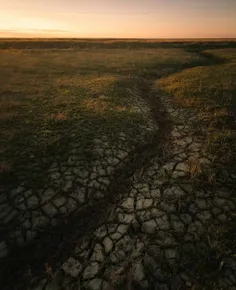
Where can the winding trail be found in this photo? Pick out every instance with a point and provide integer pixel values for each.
(156, 227)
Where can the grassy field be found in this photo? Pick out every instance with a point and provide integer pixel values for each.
(212, 91)
(49, 98)
(60, 43)
(54, 94)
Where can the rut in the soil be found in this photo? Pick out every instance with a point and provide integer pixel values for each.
(55, 244)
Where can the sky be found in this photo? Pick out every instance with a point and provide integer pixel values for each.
(118, 18)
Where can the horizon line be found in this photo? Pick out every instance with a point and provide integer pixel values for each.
(112, 38)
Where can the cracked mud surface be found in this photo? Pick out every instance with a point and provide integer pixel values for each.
(121, 224)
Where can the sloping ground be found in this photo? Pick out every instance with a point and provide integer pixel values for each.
(159, 221)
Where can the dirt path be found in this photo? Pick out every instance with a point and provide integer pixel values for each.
(157, 227)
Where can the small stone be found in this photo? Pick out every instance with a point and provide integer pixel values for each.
(222, 217)
(155, 193)
(144, 190)
(114, 257)
(98, 253)
(102, 172)
(69, 178)
(60, 201)
(149, 227)
(116, 236)
(98, 195)
(121, 154)
(204, 216)
(105, 286)
(33, 201)
(193, 209)
(186, 218)
(83, 173)
(47, 194)
(93, 175)
(27, 224)
(94, 184)
(63, 210)
(177, 225)
(144, 204)
(122, 135)
(157, 213)
(163, 223)
(126, 218)
(177, 174)
(71, 205)
(55, 175)
(188, 284)
(125, 244)
(219, 202)
(116, 161)
(28, 193)
(170, 254)
(201, 203)
(182, 167)
(104, 180)
(68, 185)
(168, 193)
(72, 267)
(107, 242)
(101, 232)
(128, 204)
(39, 221)
(96, 140)
(30, 235)
(80, 195)
(94, 284)
(50, 210)
(110, 170)
(216, 211)
(122, 229)
(91, 270)
(169, 166)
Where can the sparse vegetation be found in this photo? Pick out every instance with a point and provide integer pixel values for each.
(57, 93)
(49, 97)
(211, 90)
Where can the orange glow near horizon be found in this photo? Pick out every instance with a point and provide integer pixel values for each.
(71, 18)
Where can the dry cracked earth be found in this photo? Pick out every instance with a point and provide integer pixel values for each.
(141, 217)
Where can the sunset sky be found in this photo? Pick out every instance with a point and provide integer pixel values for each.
(118, 18)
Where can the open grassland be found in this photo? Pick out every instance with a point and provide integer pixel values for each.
(49, 98)
(194, 44)
(117, 164)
